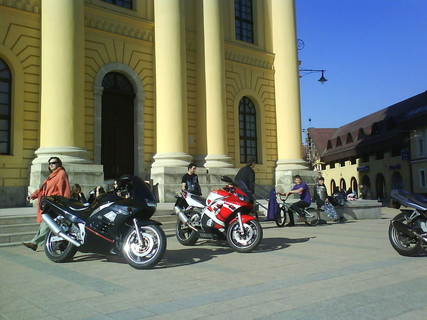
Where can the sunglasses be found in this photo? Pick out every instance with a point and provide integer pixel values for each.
(54, 162)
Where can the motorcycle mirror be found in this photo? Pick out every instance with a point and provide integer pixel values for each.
(226, 179)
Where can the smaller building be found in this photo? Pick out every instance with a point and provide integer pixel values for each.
(385, 150)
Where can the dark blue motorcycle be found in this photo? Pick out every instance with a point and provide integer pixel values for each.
(408, 229)
(116, 223)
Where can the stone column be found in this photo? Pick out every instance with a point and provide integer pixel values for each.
(62, 124)
(171, 98)
(216, 127)
(62, 82)
(201, 150)
(287, 92)
(171, 159)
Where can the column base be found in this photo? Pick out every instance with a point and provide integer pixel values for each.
(291, 164)
(171, 159)
(66, 154)
(218, 161)
(167, 180)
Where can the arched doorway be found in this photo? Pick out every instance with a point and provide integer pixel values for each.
(366, 181)
(380, 186)
(117, 126)
(397, 181)
(333, 187)
(343, 185)
(353, 185)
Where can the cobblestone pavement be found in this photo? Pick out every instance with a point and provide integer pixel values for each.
(334, 271)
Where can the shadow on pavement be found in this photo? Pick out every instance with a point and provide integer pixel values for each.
(272, 244)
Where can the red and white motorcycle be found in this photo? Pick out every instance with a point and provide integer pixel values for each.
(225, 214)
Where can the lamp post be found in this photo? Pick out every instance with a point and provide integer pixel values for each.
(304, 72)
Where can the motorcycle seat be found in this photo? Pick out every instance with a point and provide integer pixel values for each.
(199, 199)
(77, 205)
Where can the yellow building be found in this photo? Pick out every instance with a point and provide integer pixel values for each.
(385, 150)
(144, 87)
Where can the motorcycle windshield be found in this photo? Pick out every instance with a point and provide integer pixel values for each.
(242, 186)
(137, 189)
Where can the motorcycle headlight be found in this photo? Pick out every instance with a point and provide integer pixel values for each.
(242, 198)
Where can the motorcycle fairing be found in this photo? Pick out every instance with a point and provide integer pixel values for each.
(410, 200)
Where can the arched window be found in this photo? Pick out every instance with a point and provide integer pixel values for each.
(244, 20)
(5, 108)
(247, 131)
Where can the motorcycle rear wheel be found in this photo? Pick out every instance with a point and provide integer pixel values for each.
(403, 244)
(58, 249)
(147, 254)
(185, 235)
(280, 217)
(248, 241)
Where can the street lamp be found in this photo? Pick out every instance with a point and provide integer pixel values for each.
(304, 72)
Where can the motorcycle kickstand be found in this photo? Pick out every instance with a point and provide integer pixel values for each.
(137, 231)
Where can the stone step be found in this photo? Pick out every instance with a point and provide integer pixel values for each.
(17, 219)
(8, 238)
(18, 228)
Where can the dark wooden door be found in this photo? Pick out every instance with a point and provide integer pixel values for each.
(117, 148)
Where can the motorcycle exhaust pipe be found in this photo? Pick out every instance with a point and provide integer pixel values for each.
(183, 217)
(56, 229)
(399, 226)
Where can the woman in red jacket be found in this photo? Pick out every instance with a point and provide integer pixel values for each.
(55, 185)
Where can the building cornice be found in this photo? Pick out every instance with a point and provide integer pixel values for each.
(25, 5)
(118, 24)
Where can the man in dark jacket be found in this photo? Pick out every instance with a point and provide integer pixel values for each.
(247, 175)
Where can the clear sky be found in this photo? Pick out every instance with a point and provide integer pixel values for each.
(374, 53)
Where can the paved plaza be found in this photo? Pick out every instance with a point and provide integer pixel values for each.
(334, 271)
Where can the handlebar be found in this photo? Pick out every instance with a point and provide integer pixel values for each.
(282, 196)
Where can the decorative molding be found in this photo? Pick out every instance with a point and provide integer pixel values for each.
(118, 27)
(25, 5)
(250, 57)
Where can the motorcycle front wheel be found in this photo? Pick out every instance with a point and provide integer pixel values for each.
(280, 217)
(247, 240)
(57, 249)
(185, 235)
(148, 253)
(403, 244)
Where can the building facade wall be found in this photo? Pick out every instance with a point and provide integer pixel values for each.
(20, 49)
(419, 160)
(122, 40)
(388, 167)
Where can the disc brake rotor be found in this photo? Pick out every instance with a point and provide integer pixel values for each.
(243, 239)
(142, 250)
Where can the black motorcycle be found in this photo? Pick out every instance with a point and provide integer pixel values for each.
(408, 230)
(112, 225)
